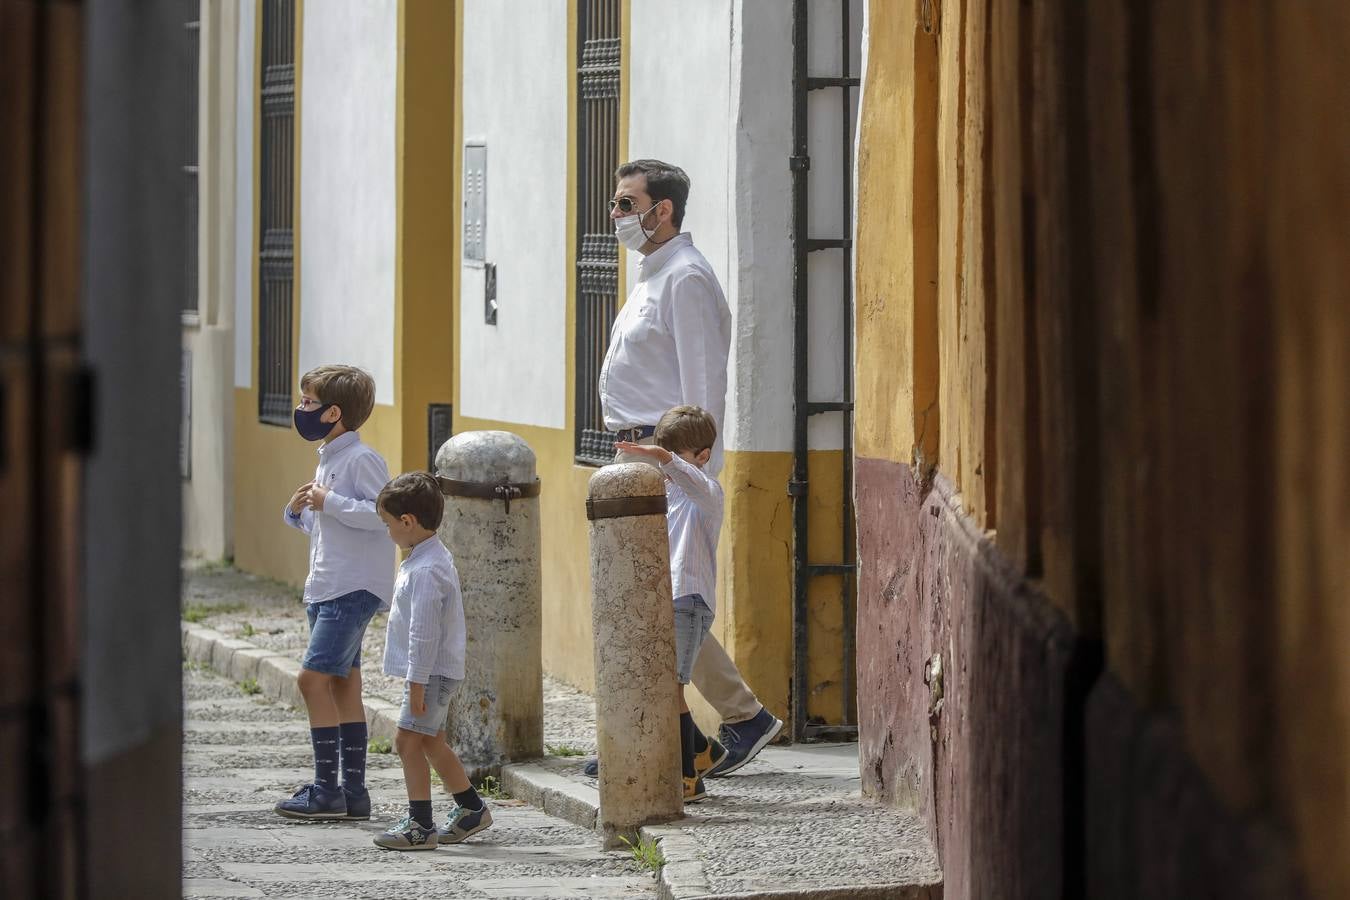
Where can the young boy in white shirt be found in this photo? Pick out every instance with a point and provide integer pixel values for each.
(684, 441)
(425, 647)
(351, 576)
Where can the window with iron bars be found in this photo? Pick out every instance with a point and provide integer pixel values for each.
(276, 263)
(598, 53)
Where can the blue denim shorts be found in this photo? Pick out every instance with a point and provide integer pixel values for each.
(336, 629)
(437, 695)
(692, 621)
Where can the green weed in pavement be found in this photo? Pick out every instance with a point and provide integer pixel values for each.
(646, 853)
(491, 788)
(196, 612)
(250, 686)
(563, 750)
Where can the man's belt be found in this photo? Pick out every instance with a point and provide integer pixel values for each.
(635, 434)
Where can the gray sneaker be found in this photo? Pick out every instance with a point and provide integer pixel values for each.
(461, 823)
(408, 835)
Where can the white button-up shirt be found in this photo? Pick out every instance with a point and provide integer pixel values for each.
(693, 519)
(349, 547)
(426, 622)
(669, 344)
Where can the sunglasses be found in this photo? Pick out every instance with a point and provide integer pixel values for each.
(627, 205)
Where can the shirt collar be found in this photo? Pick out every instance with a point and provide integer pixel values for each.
(422, 550)
(338, 443)
(652, 262)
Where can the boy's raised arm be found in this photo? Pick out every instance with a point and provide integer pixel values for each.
(697, 484)
(371, 475)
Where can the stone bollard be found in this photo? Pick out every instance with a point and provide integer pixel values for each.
(491, 525)
(633, 619)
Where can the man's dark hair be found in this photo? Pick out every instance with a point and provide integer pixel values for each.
(417, 494)
(664, 182)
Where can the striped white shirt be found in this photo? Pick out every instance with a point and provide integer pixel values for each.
(349, 547)
(426, 623)
(693, 520)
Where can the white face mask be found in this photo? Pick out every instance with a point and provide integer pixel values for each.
(630, 232)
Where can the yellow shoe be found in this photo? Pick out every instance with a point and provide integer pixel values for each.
(706, 761)
(694, 790)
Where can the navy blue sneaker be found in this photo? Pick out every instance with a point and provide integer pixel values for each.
(461, 823)
(592, 767)
(744, 740)
(358, 805)
(314, 801)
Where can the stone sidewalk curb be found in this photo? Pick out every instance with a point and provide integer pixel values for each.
(275, 673)
(683, 876)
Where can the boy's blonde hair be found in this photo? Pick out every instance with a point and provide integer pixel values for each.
(686, 428)
(417, 494)
(350, 389)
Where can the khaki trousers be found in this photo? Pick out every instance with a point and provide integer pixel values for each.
(715, 676)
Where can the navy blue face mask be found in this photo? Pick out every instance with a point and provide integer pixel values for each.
(308, 424)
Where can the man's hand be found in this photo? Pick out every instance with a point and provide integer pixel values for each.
(317, 494)
(417, 698)
(300, 499)
(652, 452)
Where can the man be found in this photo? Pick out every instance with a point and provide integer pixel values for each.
(669, 348)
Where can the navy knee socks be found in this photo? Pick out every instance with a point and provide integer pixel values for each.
(353, 736)
(325, 742)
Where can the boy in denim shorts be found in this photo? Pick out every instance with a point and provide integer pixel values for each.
(684, 440)
(425, 647)
(351, 575)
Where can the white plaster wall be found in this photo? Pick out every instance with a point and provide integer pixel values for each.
(243, 197)
(207, 508)
(516, 62)
(759, 407)
(347, 107)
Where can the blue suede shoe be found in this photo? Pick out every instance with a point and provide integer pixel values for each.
(744, 740)
(358, 805)
(315, 802)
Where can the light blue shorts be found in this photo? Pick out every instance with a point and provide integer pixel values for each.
(693, 618)
(437, 693)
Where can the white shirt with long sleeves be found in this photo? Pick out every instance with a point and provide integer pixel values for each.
(426, 622)
(349, 547)
(669, 344)
(693, 519)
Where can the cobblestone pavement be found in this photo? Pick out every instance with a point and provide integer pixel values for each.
(792, 823)
(242, 753)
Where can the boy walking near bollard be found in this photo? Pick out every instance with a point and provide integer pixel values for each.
(350, 578)
(684, 442)
(425, 646)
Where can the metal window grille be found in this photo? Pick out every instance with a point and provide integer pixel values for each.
(277, 212)
(598, 51)
(192, 31)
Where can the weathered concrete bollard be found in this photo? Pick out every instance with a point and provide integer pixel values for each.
(636, 696)
(491, 525)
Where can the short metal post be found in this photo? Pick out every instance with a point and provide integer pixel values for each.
(491, 525)
(636, 696)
